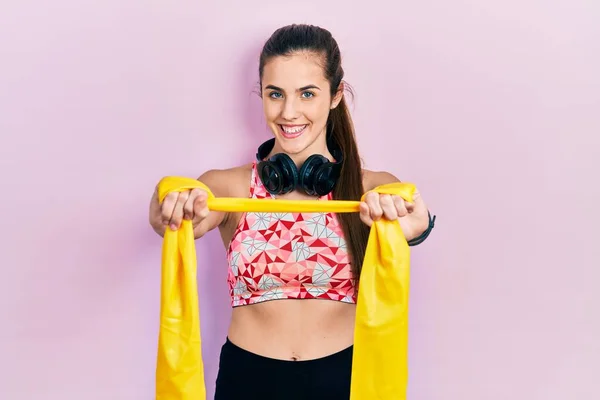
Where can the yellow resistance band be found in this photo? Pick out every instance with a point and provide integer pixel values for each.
(379, 365)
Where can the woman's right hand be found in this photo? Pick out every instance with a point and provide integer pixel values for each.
(177, 206)
(189, 204)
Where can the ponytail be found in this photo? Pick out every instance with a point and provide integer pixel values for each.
(349, 185)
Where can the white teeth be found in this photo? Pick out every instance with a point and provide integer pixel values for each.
(294, 129)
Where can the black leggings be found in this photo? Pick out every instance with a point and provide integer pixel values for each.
(247, 376)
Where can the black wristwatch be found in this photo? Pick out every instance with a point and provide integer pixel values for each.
(421, 238)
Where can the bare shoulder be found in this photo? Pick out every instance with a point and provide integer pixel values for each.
(372, 179)
(228, 182)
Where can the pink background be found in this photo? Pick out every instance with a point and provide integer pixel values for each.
(491, 108)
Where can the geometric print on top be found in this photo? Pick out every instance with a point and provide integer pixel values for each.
(288, 256)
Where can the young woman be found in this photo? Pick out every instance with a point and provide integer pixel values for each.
(292, 277)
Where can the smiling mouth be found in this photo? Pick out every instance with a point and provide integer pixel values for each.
(290, 132)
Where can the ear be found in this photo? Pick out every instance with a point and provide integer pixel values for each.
(338, 96)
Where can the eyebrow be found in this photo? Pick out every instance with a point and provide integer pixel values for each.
(300, 90)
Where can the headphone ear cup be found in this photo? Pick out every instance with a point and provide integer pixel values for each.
(325, 178)
(278, 174)
(309, 175)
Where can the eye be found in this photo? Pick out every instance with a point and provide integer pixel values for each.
(308, 95)
(275, 95)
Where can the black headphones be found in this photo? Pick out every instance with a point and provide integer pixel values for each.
(317, 176)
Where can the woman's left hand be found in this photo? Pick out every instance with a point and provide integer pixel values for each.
(413, 217)
(376, 206)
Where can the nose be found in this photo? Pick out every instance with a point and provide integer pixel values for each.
(290, 109)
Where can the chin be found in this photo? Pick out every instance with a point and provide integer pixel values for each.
(292, 147)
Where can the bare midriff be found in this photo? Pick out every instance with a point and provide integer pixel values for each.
(292, 329)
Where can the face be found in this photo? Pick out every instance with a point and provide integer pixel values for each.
(297, 101)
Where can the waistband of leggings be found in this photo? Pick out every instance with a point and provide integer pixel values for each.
(233, 349)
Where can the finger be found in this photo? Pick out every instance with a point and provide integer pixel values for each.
(389, 208)
(167, 207)
(177, 216)
(365, 214)
(375, 210)
(201, 210)
(400, 205)
(188, 207)
(411, 206)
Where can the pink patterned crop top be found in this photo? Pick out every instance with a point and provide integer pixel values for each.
(288, 256)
